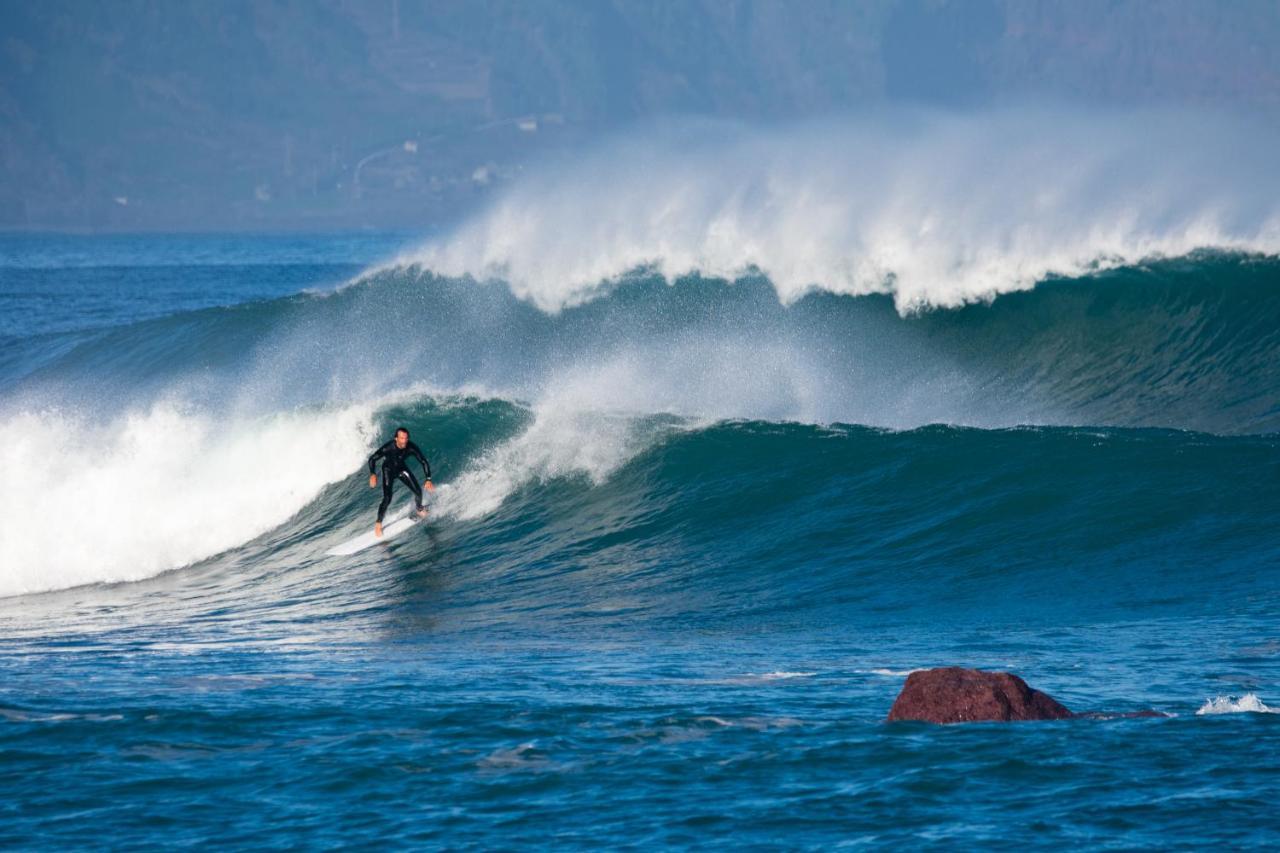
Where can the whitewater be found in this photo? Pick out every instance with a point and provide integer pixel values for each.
(937, 210)
(733, 428)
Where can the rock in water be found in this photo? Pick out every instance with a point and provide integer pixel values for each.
(953, 694)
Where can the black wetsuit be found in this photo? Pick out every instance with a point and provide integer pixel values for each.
(394, 465)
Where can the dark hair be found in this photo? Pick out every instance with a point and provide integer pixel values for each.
(402, 430)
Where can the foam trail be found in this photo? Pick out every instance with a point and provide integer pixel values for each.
(889, 673)
(156, 489)
(937, 210)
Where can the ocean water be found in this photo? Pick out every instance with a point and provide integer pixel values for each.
(692, 531)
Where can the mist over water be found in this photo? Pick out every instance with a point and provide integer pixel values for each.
(934, 209)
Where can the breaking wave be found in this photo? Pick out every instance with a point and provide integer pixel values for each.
(931, 209)
(658, 327)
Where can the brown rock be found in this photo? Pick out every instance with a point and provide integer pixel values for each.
(953, 694)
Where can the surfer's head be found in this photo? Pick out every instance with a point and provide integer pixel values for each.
(402, 437)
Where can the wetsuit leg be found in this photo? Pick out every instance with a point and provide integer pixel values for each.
(387, 483)
(412, 482)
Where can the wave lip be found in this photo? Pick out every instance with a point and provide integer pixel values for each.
(934, 210)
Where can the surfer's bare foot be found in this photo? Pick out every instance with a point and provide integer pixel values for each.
(377, 529)
(422, 513)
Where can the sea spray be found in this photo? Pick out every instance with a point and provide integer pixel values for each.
(933, 209)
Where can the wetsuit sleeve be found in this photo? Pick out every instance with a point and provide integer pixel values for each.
(377, 454)
(426, 466)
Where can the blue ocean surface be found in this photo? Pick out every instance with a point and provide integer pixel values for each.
(687, 543)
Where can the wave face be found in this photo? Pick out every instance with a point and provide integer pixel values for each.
(596, 520)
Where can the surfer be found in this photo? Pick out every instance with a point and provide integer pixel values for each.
(395, 456)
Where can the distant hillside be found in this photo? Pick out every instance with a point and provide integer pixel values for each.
(153, 114)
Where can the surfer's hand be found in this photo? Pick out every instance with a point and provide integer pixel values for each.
(373, 481)
(431, 487)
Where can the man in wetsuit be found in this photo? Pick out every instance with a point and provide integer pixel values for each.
(394, 455)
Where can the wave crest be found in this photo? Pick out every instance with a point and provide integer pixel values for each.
(935, 210)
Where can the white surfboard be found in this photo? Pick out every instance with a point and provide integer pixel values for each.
(367, 540)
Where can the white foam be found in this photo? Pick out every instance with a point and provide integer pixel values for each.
(560, 442)
(1249, 703)
(92, 500)
(890, 673)
(937, 210)
(594, 416)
